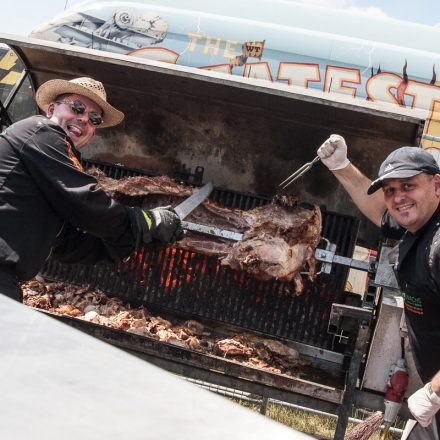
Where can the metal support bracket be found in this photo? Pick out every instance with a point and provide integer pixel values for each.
(328, 258)
(340, 311)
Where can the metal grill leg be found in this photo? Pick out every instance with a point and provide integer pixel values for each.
(353, 374)
(263, 407)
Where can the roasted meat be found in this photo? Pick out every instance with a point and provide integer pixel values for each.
(278, 243)
(279, 239)
(233, 347)
(96, 307)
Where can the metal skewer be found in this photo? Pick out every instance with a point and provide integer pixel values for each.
(298, 173)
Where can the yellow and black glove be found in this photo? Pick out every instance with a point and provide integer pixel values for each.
(161, 224)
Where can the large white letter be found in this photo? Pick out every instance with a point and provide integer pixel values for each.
(298, 74)
(379, 87)
(210, 46)
(193, 38)
(422, 94)
(257, 71)
(336, 77)
(229, 51)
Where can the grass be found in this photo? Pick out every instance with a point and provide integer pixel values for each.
(319, 426)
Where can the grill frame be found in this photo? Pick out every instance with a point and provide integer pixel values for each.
(216, 292)
(219, 370)
(295, 319)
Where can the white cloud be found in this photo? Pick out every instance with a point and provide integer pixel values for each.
(370, 10)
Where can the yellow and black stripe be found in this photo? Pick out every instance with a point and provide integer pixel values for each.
(10, 68)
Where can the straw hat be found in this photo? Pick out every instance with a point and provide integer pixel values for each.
(87, 87)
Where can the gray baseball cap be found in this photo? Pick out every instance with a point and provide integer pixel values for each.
(403, 163)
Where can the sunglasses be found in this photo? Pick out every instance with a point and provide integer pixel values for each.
(79, 108)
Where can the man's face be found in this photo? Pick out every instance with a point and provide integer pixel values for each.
(413, 201)
(77, 126)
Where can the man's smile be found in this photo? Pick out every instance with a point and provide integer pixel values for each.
(74, 129)
(405, 207)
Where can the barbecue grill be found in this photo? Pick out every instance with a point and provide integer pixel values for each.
(266, 131)
(188, 285)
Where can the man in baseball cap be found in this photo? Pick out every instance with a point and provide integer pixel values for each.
(403, 163)
(406, 208)
(49, 205)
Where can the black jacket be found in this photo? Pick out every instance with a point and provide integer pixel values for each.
(417, 267)
(48, 203)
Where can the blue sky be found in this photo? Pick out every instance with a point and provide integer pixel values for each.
(21, 16)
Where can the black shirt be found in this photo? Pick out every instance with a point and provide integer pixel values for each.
(417, 267)
(46, 201)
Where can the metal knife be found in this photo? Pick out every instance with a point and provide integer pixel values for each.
(188, 205)
(191, 203)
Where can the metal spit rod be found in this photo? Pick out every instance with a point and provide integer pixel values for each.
(212, 230)
(326, 256)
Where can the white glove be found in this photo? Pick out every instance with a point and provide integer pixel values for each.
(333, 153)
(423, 404)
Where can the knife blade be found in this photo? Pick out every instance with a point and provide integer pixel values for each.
(191, 203)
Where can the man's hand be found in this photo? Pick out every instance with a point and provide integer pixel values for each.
(164, 224)
(423, 404)
(333, 153)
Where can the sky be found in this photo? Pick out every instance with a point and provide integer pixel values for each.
(20, 17)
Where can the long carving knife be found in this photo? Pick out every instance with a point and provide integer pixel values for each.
(188, 205)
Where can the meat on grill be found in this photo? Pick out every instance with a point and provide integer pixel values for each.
(278, 243)
(279, 239)
(95, 306)
(233, 347)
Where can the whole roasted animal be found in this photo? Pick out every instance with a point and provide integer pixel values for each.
(279, 239)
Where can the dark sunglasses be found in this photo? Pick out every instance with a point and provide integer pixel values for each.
(79, 108)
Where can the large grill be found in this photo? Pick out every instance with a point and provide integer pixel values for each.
(187, 285)
(199, 286)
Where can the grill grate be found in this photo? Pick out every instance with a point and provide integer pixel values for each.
(197, 285)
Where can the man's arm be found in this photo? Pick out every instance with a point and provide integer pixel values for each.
(333, 154)
(425, 402)
(356, 184)
(77, 199)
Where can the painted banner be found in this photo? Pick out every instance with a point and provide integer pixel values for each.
(336, 52)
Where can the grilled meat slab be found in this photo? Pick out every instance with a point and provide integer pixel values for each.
(279, 239)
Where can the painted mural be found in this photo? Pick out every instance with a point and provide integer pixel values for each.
(381, 61)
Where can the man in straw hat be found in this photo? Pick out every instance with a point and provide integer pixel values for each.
(406, 208)
(49, 205)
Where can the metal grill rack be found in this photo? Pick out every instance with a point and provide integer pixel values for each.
(199, 286)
